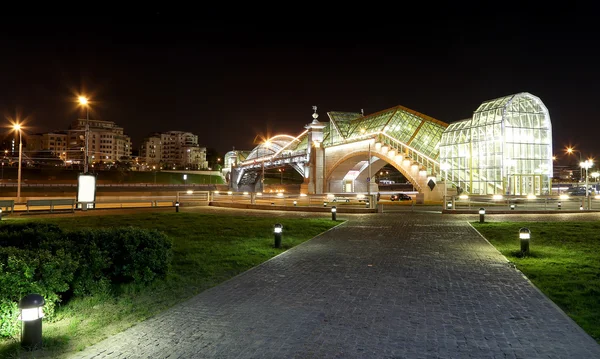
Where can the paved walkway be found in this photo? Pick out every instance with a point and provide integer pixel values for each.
(410, 285)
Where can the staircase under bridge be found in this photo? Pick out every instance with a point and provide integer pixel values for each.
(343, 154)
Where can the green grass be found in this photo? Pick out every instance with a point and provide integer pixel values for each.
(208, 249)
(564, 263)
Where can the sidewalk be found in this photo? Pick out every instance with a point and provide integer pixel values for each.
(416, 285)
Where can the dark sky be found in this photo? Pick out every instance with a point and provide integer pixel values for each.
(231, 78)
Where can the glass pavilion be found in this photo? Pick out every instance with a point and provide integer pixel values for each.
(505, 148)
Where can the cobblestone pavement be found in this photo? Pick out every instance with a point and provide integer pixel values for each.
(409, 285)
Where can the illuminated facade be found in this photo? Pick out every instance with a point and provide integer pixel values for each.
(505, 148)
(173, 149)
(107, 142)
(53, 143)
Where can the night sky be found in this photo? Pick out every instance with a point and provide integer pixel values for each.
(233, 79)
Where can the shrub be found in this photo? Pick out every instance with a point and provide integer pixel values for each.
(29, 235)
(92, 276)
(24, 271)
(39, 258)
(137, 255)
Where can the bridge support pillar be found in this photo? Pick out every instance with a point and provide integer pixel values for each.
(316, 171)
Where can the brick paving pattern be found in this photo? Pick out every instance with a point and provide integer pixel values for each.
(410, 285)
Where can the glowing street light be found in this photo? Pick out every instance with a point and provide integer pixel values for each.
(587, 164)
(570, 150)
(18, 128)
(83, 101)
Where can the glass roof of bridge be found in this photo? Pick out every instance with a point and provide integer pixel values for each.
(419, 131)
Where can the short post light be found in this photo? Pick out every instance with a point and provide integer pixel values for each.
(581, 206)
(449, 205)
(559, 205)
(177, 206)
(512, 206)
(295, 203)
(277, 229)
(324, 204)
(0, 214)
(524, 236)
(368, 204)
(481, 215)
(333, 213)
(31, 314)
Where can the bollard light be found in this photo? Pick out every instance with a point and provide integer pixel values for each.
(177, 206)
(277, 229)
(368, 204)
(559, 205)
(333, 213)
(0, 214)
(324, 204)
(295, 203)
(524, 236)
(481, 215)
(512, 206)
(31, 314)
(581, 207)
(449, 205)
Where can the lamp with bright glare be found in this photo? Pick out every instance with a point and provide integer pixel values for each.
(83, 101)
(481, 215)
(333, 213)
(587, 164)
(524, 236)
(277, 229)
(18, 128)
(31, 314)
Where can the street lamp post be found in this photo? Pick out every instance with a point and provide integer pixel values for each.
(586, 164)
(84, 102)
(570, 150)
(17, 127)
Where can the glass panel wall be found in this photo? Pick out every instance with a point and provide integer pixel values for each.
(510, 136)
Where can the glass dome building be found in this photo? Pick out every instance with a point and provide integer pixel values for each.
(505, 148)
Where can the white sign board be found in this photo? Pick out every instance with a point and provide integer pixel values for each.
(86, 189)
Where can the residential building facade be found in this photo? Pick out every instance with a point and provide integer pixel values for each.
(106, 143)
(51, 144)
(173, 149)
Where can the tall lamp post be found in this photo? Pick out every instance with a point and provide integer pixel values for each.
(84, 102)
(17, 127)
(586, 164)
(570, 150)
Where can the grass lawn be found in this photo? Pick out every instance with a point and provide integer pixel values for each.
(208, 249)
(564, 263)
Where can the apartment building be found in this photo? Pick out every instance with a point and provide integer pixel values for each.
(173, 149)
(106, 142)
(51, 144)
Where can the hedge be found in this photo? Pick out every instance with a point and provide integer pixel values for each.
(44, 259)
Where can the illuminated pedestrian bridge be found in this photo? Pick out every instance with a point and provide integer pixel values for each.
(504, 148)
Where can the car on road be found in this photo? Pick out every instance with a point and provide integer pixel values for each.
(400, 197)
(341, 199)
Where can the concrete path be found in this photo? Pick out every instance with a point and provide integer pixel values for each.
(410, 285)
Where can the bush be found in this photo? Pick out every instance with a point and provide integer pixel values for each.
(41, 258)
(137, 255)
(24, 271)
(29, 235)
